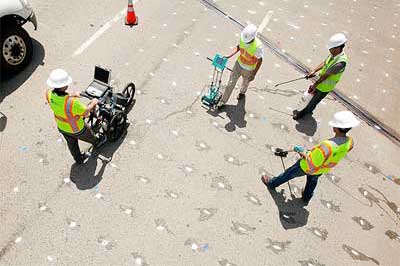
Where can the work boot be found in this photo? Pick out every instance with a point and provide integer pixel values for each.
(220, 105)
(266, 179)
(241, 96)
(297, 115)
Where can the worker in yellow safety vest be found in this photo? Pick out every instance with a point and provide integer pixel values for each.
(247, 64)
(321, 158)
(331, 69)
(69, 113)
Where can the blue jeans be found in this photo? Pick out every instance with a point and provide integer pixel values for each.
(292, 172)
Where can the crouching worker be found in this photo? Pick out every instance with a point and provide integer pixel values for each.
(321, 159)
(69, 113)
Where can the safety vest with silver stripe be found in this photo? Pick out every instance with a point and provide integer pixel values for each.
(247, 58)
(63, 108)
(323, 157)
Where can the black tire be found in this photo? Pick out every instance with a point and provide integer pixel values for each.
(15, 40)
(129, 92)
(117, 126)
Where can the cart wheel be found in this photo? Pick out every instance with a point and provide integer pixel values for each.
(129, 92)
(117, 126)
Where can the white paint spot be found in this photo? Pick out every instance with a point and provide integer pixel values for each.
(72, 224)
(148, 121)
(16, 189)
(165, 25)
(173, 83)
(141, 50)
(50, 258)
(19, 239)
(113, 165)
(355, 252)
(160, 156)
(276, 247)
(151, 74)
(194, 246)
(252, 12)
(317, 233)
(165, 59)
(175, 133)
(99, 196)
(221, 185)
(128, 211)
(196, 53)
(132, 142)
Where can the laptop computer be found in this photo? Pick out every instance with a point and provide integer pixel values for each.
(100, 83)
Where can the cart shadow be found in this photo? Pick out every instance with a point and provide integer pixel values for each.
(11, 82)
(85, 176)
(292, 212)
(235, 113)
(307, 125)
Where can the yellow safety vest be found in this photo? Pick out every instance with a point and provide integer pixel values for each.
(323, 157)
(68, 112)
(247, 57)
(330, 83)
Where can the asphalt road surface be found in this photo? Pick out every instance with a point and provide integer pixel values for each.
(182, 187)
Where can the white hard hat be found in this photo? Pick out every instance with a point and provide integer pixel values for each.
(248, 33)
(337, 40)
(59, 78)
(344, 119)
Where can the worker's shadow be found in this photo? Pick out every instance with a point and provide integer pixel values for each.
(236, 114)
(292, 212)
(86, 176)
(307, 125)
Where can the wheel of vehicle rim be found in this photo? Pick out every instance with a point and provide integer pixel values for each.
(129, 92)
(117, 126)
(16, 48)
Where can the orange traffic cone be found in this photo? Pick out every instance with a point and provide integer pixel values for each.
(131, 18)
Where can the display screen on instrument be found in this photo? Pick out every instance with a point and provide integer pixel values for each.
(101, 74)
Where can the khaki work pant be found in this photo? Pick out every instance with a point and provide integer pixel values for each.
(237, 72)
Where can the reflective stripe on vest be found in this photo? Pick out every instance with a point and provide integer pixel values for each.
(247, 58)
(331, 155)
(330, 83)
(70, 119)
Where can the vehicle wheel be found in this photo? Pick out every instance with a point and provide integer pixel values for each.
(117, 126)
(16, 48)
(129, 92)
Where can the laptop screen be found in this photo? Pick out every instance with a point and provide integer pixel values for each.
(101, 74)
